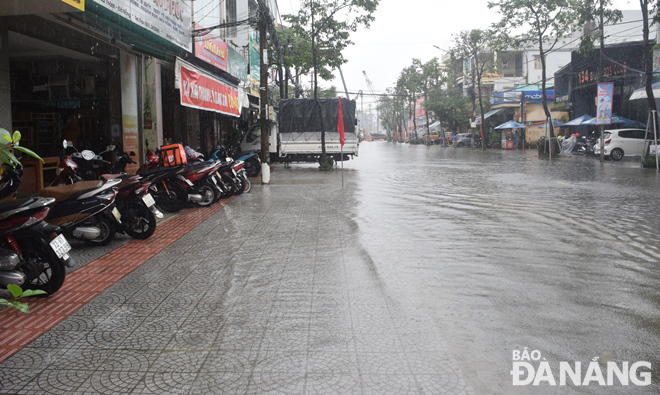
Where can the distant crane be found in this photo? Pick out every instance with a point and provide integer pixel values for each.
(373, 92)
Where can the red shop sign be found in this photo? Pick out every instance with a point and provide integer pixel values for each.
(207, 93)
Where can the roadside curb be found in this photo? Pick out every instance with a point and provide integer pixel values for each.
(81, 286)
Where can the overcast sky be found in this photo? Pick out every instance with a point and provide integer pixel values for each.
(407, 29)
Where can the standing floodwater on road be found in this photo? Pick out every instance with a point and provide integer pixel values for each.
(505, 251)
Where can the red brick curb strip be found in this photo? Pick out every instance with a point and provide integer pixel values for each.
(18, 329)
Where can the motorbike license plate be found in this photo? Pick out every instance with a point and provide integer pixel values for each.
(60, 246)
(117, 215)
(148, 200)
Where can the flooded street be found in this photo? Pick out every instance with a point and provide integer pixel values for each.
(505, 251)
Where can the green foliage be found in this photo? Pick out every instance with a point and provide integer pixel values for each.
(333, 23)
(589, 11)
(233, 137)
(9, 143)
(451, 108)
(326, 163)
(17, 293)
(648, 161)
(324, 93)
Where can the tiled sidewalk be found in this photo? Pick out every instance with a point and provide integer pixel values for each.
(86, 283)
(272, 294)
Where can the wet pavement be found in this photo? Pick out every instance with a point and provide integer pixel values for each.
(421, 275)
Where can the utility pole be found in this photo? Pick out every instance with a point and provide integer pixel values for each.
(601, 78)
(263, 96)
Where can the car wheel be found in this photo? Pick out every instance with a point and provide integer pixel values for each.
(616, 154)
(459, 145)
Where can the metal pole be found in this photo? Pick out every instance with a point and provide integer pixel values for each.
(547, 133)
(341, 150)
(646, 135)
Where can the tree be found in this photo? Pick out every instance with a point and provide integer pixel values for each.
(409, 85)
(544, 22)
(476, 46)
(450, 108)
(648, 50)
(328, 24)
(297, 54)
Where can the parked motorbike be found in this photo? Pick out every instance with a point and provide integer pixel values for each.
(81, 165)
(136, 206)
(585, 146)
(233, 172)
(85, 210)
(33, 254)
(252, 163)
(167, 184)
(133, 200)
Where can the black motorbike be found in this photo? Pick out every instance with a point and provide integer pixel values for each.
(33, 254)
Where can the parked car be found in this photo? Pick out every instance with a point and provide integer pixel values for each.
(622, 142)
(465, 139)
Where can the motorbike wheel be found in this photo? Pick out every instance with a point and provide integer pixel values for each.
(217, 191)
(173, 199)
(582, 151)
(253, 167)
(38, 257)
(240, 185)
(140, 221)
(208, 195)
(107, 231)
(247, 185)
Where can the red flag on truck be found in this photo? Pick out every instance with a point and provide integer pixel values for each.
(340, 124)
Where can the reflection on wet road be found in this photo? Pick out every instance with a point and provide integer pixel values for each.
(505, 251)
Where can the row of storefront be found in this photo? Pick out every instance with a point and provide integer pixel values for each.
(124, 72)
(572, 93)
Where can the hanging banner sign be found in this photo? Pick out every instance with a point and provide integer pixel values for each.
(169, 19)
(604, 103)
(200, 90)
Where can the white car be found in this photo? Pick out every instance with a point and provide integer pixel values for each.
(622, 142)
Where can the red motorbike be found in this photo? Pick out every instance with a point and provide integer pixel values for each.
(198, 180)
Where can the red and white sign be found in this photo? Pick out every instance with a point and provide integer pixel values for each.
(211, 50)
(201, 91)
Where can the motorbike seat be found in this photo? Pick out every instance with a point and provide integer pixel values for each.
(158, 170)
(65, 192)
(12, 204)
(197, 168)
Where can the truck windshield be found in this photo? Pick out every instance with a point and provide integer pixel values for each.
(253, 134)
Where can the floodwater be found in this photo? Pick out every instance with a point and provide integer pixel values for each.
(504, 251)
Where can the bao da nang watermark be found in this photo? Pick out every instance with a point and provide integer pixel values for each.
(530, 368)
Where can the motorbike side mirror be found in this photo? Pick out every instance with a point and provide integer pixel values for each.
(110, 148)
(131, 153)
(65, 144)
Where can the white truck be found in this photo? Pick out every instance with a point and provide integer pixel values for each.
(296, 135)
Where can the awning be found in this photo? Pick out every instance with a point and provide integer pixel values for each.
(488, 114)
(506, 105)
(204, 91)
(641, 92)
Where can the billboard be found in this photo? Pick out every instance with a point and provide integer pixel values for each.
(212, 50)
(169, 19)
